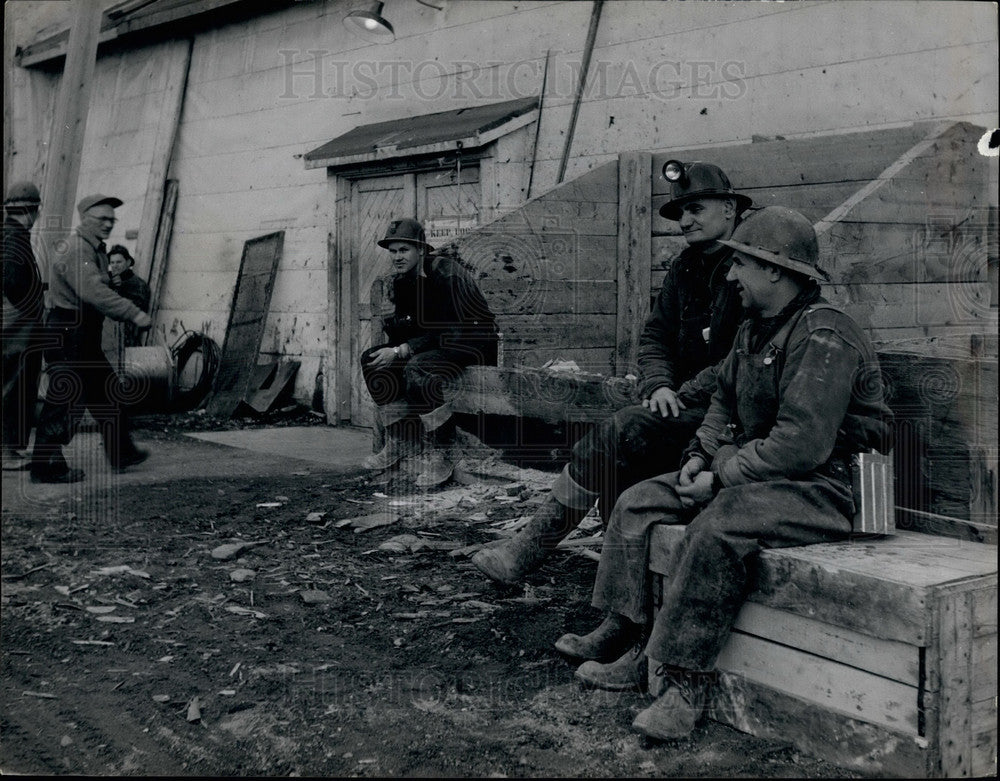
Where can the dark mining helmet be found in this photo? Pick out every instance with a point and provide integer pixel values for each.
(691, 181)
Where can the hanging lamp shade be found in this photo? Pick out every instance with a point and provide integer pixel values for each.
(370, 25)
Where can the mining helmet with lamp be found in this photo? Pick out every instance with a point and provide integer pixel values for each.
(691, 181)
(407, 230)
(782, 237)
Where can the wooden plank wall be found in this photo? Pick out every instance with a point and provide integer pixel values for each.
(549, 273)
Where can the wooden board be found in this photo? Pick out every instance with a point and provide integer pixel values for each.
(849, 157)
(633, 258)
(827, 683)
(819, 732)
(893, 660)
(247, 315)
(550, 396)
(876, 587)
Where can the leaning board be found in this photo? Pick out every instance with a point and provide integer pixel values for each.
(877, 654)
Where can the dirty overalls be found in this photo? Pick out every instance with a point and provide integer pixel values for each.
(785, 481)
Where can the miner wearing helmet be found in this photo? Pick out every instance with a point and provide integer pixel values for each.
(441, 324)
(23, 307)
(689, 330)
(798, 394)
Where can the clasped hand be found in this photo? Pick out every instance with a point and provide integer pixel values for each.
(695, 482)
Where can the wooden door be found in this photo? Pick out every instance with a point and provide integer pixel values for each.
(374, 203)
(447, 203)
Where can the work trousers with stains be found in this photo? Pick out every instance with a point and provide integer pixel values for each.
(632, 445)
(713, 566)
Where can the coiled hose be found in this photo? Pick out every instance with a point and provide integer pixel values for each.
(187, 346)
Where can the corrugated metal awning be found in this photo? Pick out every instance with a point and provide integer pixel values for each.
(464, 128)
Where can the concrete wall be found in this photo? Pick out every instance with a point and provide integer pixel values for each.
(263, 92)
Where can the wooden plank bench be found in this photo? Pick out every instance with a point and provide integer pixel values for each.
(876, 654)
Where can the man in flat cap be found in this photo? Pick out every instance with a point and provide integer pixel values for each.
(23, 306)
(80, 297)
(689, 330)
(799, 393)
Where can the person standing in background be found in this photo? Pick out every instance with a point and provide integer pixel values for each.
(127, 284)
(23, 307)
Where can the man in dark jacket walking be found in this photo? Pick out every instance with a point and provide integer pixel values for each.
(23, 306)
(797, 396)
(689, 330)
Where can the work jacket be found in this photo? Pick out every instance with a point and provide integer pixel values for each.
(22, 289)
(695, 296)
(79, 282)
(441, 308)
(799, 405)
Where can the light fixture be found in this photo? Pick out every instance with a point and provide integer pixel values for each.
(674, 171)
(370, 24)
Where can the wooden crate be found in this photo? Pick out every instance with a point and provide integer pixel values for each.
(877, 654)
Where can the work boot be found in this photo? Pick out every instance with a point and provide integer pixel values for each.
(437, 468)
(525, 552)
(438, 437)
(609, 641)
(49, 466)
(627, 673)
(677, 711)
(397, 446)
(13, 461)
(136, 457)
(52, 476)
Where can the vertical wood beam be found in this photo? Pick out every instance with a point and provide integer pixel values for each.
(634, 256)
(178, 67)
(158, 261)
(9, 45)
(341, 270)
(62, 169)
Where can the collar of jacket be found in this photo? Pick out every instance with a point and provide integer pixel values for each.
(692, 257)
(92, 240)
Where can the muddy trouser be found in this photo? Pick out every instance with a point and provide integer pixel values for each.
(713, 566)
(22, 364)
(632, 445)
(80, 377)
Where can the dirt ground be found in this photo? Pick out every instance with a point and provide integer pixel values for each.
(324, 649)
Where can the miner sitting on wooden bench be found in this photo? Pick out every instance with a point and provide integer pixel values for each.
(441, 324)
(689, 331)
(798, 394)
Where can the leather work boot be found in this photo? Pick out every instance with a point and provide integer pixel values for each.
(397, 446)
(677, 711)
(608, 642)
(437, 468)
(13, 461)
(525, 552)
(627, 673)
(49, 466)
(136, 457)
